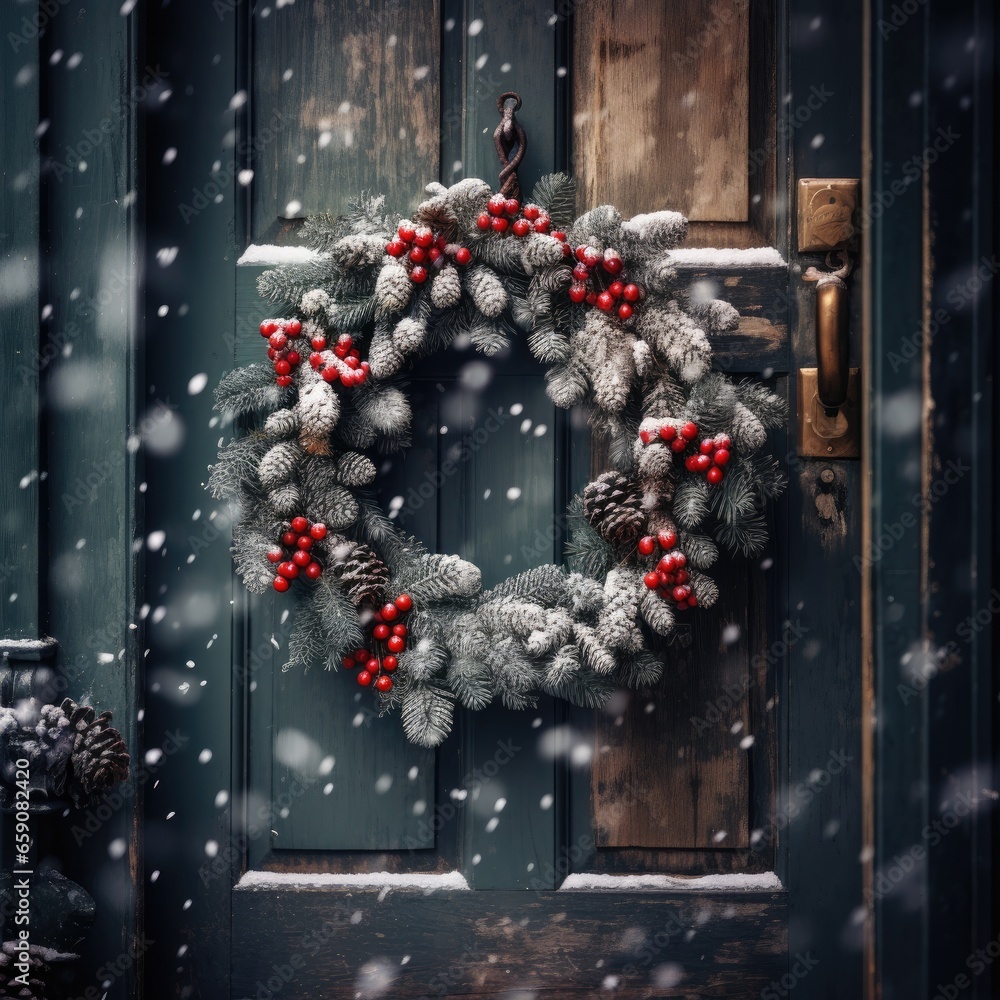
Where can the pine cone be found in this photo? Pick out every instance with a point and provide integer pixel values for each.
(363, 576)
(36, 988)
(613, 505)
(99, 758)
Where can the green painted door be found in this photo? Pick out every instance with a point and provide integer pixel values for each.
(302, 847)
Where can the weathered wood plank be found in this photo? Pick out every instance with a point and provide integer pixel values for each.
(326, 943)
(669, 771)
(356, 109)
(661, 107)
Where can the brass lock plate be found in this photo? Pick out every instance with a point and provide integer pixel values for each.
(826, 213)
(822, 436)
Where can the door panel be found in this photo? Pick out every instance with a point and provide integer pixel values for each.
(515, 802)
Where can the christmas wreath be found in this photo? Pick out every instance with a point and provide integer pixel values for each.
(601, 304)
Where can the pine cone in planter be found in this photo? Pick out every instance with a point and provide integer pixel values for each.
(613, 505)
(363, 576)
(36, 988)
(98, 759)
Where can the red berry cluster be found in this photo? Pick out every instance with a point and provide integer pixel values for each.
(710, 455)
(281, 335)
(596, 282)
(669, 578)
(505, 213)
(388, 641)
(419, 246)
(343, 364)
(299, 538)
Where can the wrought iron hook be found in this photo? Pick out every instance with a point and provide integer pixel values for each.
(509, 135)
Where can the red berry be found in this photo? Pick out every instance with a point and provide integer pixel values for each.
(289, 538)
(591, 298)
(341, 350)
(723, 441)
(284, 381)
(591, 257)
(581, 272)
(463, 255)
(678, 444)
(395, 248)
(667, 538)
(299, 524)
(558, 234)
(721, 457)
(418, 254)
(314, 570)
(381, 632)
(680, 559)
(580, 252)
(681, 605)
(352, 362)
(631, 293)
(689, 431)
(330, 374)
(278, 341)
(624, 311)
(294, 358)
(423, 237)
(714, 475)
(692, 601)
(361, 376)
(667, 564)
(483, 222)
(707, 446)
(616, 288)
(271, 354)
(542, 226)
(293, 328)
(682, 576)
(395, 644)
(668, 432)
(652, 580)
(433, 255)
(440, 242)
(289, 570)
(389, 663)
(361, 655)
(406, 232)
(384, 683)
(499, 224)
(371, 664)
(577, 293)
(305, 543)
(521, 227)
(348, 661)
(315, 359)
(301, 558)
(275, 554)
(399, 630)
(702, 462)
(280, 584)
(645, 436)
(496, 204)
(282, 367)
(268, 327)
(364, 678)
(418, 274)
(347, 378)
(532, 212)
(318, 343)
(679, 593)
(646, 545)
(612, 262)
(389, 612)
(605, 302)
(404, 602)
(512, 206)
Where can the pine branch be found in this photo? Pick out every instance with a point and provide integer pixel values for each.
(246, 390)
(427, 714)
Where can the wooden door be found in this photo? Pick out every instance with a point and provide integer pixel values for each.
(698, 839)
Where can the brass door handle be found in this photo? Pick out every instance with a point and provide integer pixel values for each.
(831, 342)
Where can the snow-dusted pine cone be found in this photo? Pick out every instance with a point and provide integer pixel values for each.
(363, 576)
(99, 758)
(613, 505)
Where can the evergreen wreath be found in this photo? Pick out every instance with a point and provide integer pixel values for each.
(600, 302)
